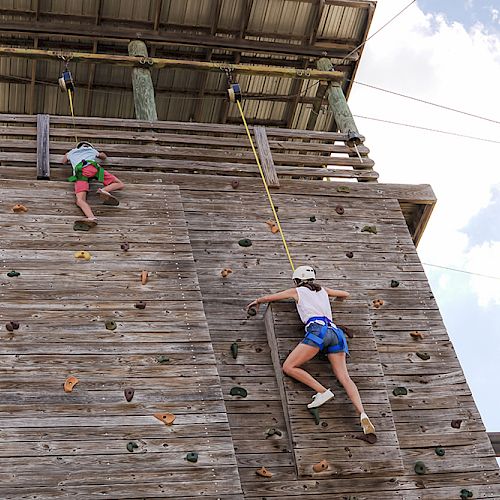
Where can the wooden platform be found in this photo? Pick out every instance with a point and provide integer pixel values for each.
(62, 445)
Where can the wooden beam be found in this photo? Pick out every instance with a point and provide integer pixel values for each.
(313, 117)
(265, 156)
(98, 13)
(88, 31)
(159, 7)
(495, 442)
(32, 106)
(90, 83)
(42, 147)
(160, 63)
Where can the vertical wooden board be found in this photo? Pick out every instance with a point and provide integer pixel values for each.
(266, 157)
(161, 351)
(42, 147)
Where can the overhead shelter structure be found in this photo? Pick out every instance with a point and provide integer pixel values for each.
(195, 218)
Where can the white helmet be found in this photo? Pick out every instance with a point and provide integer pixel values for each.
(303, 273)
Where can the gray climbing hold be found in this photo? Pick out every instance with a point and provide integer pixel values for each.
(125, 246)
(110, 325)
(440, 451)
(343, 189)
(238, 391)
(312, 218)
(420, 468)
(456, 424)
(13, 274)
(131, 446)
(273, 432)
(192, 456)
(315, 413)
(394, 283)
(349, 255)
(464, 494)
(140, 305)
(245, 242)
(163, 360)
(400, 391)
(252, 311)
(234, 350)
(423, 355)
(369, 229)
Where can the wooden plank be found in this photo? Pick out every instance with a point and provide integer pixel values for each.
(495, 442)
(42, 147)
(266, 157)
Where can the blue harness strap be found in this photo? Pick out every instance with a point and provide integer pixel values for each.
(322, 333)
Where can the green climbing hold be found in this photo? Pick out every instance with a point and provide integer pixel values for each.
(234, 350)
(420, 468)
(273, 432)
(369, 229)
(343, 189)
(423, 355)
(464, 494)
(131, 446)
(163, 360)
(245, 242)
(315, 413)
(238, 391)
(394, 283)
(312, 218)
(400, 391)
(192, 456)
(440, 451)
(110, 325)
(13, 274)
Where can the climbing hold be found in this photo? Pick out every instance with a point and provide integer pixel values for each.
(369, 438)
(347, 331)
(343, 189)
(349, 255)
(110, 325)
(144, 277)
(339, 209)
(245, 242)
(140, 305)
(251, 311)
(377, 303)
(420, 468)
(131, 446)
(226, 272)
(417, 335)
(312, 218)
(320, 466)
(14, 325)
(125, 246)
(83, 255)
(192, 456)
(400, 391)
(166, 418)
(315, 413)
(439, 450)
(163, 360)
(272, 225)
(19, 208)
(263, 472)
(369, 229)
(464, 494)
(238, 391)
(129, 394)
(70, 383)
(13, 274)
(84, 225)
(456, 424)
(423, 355)
(9, 327)
(235, 184)
(273, 432)
(234, 350)
(394, 283)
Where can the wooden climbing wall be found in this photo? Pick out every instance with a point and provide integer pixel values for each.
(61, 445)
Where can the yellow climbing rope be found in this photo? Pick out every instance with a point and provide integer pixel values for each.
(270, 198)
(70, 97)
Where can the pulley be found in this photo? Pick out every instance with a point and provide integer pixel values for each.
(234, 92)
(353, 139)
(66, 81)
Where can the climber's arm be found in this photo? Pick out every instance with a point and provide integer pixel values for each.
(291, 293)
(337, 294)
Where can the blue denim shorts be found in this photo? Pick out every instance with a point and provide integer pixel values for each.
(334, 339)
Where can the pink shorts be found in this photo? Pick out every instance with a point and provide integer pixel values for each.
(90, 171)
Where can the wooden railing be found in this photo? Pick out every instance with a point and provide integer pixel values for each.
(182, 147)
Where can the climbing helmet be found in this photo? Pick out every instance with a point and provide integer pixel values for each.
(84, 143)
(303, 273)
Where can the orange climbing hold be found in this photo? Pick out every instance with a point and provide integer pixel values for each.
(378, 303)
(144, 277)
(70, 383)
(272, 225)
(18, 209)
(263, 472)
(226, 272)
(417, 335)
(320, 466)
(166, 418)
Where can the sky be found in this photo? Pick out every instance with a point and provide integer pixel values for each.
(447, 52)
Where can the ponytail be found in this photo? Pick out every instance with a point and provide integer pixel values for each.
(314, 287)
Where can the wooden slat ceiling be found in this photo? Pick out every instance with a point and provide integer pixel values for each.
(292, 33)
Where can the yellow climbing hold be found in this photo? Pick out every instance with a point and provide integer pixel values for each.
(83, 255)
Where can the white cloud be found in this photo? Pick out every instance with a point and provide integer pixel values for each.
(485, 259)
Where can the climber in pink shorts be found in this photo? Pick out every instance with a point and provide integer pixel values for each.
(83, 159)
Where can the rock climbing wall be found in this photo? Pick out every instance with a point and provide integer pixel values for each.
(63, 316)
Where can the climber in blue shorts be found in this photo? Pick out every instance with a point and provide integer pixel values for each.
(321, 333)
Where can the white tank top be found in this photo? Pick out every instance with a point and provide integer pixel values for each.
(313, 303)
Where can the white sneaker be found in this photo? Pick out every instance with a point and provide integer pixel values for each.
(321, 398)
(368, 427)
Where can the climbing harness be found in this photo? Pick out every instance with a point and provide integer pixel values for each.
(78, 171)
(66, 84)
(234, 94)
(325, 323)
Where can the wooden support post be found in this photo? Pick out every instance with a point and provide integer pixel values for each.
(266, 158)
(495, 442)
(42, 147)
(337, 101)
(144, 96)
